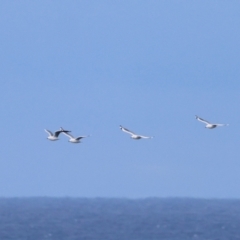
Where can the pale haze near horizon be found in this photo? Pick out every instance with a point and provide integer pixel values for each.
(89, 66)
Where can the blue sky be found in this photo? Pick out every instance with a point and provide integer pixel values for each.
(89, 66)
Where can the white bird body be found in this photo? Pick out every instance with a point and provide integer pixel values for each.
(73, 139)
(210, 125)
(54, 136)
(133, 135)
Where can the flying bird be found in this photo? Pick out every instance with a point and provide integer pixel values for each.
(73, 139)
(133, 135)
(210, 125)
(54, 136)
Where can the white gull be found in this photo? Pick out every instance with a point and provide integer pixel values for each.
(73, 139)
(210, 125)
(54, 136)
(133, 135)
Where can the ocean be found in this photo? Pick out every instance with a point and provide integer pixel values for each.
(119, 219)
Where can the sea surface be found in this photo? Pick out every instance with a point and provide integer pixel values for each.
(120, 219)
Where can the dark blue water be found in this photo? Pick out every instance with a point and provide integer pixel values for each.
(123, 219)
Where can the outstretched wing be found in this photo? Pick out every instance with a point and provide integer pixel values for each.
(202, 120)
(63, 130)
(80, 137)
(67, 134)
(49, 132)
(144, 136)
(56, 134)
(221, 124)
(126, 130)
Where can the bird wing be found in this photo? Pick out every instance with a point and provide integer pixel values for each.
(202, 120)
(80, 137)
(57, 133)
(126, 130)
(63, 130)
(221, 124)
(67, 134)
(49, 132)
(144, 136)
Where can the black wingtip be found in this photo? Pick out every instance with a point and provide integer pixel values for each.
(62, 130)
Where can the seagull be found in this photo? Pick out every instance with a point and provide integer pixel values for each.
(73, 139)
(54, 136)
(210, 125)
(133, 135)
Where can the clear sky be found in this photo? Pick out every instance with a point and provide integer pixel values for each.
(89, 66)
